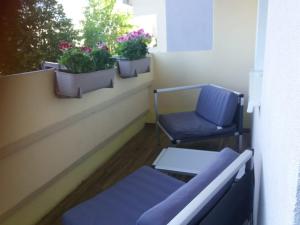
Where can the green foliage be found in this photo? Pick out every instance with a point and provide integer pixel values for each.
(76, 61)
(132, 50)
(103, 24)
(30, 33)
(84, 60)
(102, 59)
(133, 45)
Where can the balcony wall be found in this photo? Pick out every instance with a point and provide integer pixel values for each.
(227, 64)
(48, 145)
(276, 123)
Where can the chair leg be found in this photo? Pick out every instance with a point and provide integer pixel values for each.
(221, 143)
(237, 142)
(240, 142)
(157, 132)
(247, 222)
(173, 144)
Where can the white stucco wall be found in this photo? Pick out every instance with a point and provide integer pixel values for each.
(276, 126)
(156, 8)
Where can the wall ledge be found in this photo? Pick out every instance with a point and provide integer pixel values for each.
(137, 84)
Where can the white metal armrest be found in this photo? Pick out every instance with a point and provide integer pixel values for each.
(179, 88)
(205, 196)
(188, 87)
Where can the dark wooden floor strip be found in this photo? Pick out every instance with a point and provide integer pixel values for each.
(140, 150)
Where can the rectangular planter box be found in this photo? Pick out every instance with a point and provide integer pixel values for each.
(74, 85)
(131, 68)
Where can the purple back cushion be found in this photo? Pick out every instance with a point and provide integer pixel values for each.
(217, 105)
(165, 211)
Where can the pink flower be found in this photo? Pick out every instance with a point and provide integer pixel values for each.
(134, 35)
(64, 45)
(86, 49)
(141, 31)
(120, 39)
(123, 38)
(147, 36)
(102, 46)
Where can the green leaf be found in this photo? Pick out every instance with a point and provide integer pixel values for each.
(103, 24)
(32, 35)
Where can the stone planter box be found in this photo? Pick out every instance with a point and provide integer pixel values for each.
(131, 68)
(74, 85)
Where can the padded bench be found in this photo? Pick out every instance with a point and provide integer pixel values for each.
(150, 197)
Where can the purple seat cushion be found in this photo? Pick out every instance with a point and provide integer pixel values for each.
(191, 126)
(166, 210)
(217, 105)
(124, 203)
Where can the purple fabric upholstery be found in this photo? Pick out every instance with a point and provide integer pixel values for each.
(166, 210)
(123, 203)
(147, 197)
(217, 105)
(191, 126)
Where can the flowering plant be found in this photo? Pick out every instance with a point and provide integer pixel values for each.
(133, 45)
(85, 59)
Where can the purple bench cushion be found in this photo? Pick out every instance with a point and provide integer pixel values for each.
(166, 210)
(123, 203)
(217, 105)
(190, 126)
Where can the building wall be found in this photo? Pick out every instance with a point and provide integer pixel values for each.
(227, 64)
(276, 125)
(156, 8)
(255, 89)
(48, 145)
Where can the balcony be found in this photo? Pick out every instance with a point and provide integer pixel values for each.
(57, 152)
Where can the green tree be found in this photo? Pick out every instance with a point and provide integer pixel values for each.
(103, 24)
(33, 35)
(9, 39)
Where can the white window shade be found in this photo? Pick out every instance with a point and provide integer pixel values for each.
(189, 25)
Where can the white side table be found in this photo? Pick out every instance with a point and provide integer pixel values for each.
(188, 161)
